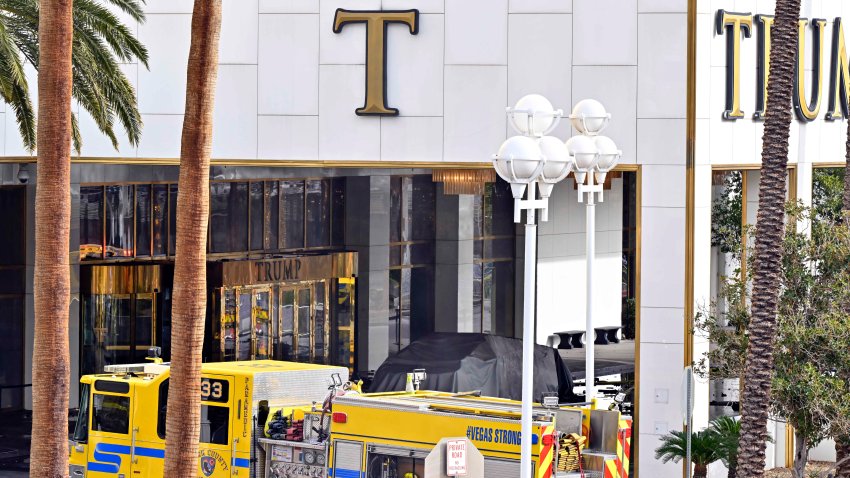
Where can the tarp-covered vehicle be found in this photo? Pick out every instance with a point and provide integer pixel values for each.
(486, 363)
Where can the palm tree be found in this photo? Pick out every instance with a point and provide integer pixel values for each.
(190, 285)
(705, 446)
(728, 431)
(100, 41)
(52, 281)
(770, 229)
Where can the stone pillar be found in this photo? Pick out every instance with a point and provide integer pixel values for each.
(453, 263)
(368, 233)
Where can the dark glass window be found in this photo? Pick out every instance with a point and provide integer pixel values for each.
(257, 215)
(422, 210)
(143, 220)
(172, 219)
(318, 213)
(494, 248)
(338, 212)
(214, 424)
(162, 407)
(81, 430)
(228, 217)
(272, 215)
(119, 221)
(91, 222)
(159, 222)
(111, 414)
(292, 223)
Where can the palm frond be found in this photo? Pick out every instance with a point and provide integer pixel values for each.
(101, 41)
(75, 134)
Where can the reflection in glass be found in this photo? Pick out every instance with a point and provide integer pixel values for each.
(272, 215)
(320, 353)
(160, 224)
(287, 324)
(143, 220)
(338, 212)
(228, 329)
(395, 311)
(303, 317)
(257, 216)
(91, 222)
(228, 217)
(422, 214)
(12, 352)
(172, 218)
(244, 350)
(119, 221)
(214, 424)
(144, 338)
(262, 325)
(318, 213)
(292, 223)
(477, 297)
(345, 323)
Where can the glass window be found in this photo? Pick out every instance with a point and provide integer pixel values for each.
(318, 213)
(229, 325)
(320, 353)
(338, 212)
(396, 194)
(162, 407)
(228, 217)
(304, 300)
(292, 203)
(257, 216)
(272, 215)
(143, 220)
(423, 206)
(81, 430)
(172, 219)
(214, 424)
(244, 325)
(119, 221)
(392, 465)
(91, 222)
(159, 222)
(111, 413)
(287, 325)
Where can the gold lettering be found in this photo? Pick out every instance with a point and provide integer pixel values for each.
(808, 110)
(765, 23)
(733, 24)
(839, 82)
(376, 54)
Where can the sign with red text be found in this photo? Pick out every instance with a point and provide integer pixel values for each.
(456, 458)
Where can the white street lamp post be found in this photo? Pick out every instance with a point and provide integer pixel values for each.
(534, 160)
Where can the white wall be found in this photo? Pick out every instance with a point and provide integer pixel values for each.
(561, 262)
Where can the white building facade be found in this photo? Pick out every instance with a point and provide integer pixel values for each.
(289, 85)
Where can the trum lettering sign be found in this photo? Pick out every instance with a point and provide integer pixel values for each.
(456, 458)
(808, 99)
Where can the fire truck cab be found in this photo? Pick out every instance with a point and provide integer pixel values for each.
(120, 431)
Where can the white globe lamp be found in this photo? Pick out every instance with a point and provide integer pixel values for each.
(609, 155)
(534, 115)
(519, 162)
(589, 117)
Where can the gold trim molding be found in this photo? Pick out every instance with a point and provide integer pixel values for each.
(283, 163)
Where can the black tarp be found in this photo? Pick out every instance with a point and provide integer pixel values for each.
(468, 362)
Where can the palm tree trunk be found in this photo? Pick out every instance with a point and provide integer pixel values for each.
(770, 228)
(188, 314)
(52, 280)
(700, 471)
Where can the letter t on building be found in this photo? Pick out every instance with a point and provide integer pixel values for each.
(376, 52)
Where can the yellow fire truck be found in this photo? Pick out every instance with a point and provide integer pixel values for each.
(121, 425)
(268, 419)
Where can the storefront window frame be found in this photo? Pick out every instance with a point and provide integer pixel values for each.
(332, 206)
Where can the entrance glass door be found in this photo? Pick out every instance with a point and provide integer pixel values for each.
(246, 323)
(303, 323)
